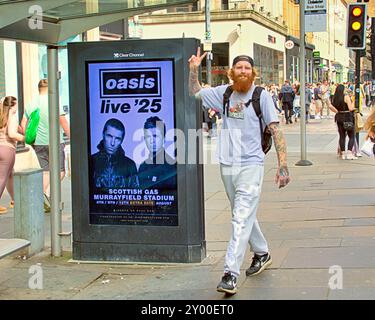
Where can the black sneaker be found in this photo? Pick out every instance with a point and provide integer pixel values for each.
(228, 284)
(258, 264)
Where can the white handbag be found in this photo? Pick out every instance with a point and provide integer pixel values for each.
(368, 148)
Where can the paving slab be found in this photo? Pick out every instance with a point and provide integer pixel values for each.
(54, 279)
(219, 232)
(355, 200)
(352, 294)
(312, 224)
(337, 212)
(355, 231)
(307, 293)
(306, 233)
(346, 257)
(214, 204)
(357, 241)
(112, 287)
(311, 243)
(287, 278)
(34, 294)
(360, 222)
(171, 283)
(223, 216)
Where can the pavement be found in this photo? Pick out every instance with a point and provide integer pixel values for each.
(320, 228)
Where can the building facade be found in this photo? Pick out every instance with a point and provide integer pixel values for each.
(234, 32)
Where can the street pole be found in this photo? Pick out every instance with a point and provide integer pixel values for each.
(54, 149)
(208, 40)
(303, 161)
(357, 84)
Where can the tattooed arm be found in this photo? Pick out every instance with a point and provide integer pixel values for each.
(194, 63)
(282, 175)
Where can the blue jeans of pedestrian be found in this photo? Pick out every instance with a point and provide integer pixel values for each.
(243, 187)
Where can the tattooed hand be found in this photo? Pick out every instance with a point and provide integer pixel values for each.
(195, 61)
(282, 176)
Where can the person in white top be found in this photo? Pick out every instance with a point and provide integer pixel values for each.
(241, 160)
(325, 99)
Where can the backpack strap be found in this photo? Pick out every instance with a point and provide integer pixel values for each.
(255, 100)
(228, 92)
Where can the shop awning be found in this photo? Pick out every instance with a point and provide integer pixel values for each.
(53, 21)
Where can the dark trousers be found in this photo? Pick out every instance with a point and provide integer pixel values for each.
(288, 109)
(343, 133)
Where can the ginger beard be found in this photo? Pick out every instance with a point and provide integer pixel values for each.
(242, 82)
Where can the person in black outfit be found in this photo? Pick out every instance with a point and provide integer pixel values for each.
(287, 97)
(159, 169)
(110, 167)
(344, 113)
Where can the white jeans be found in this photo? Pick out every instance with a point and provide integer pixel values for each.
(243, 186)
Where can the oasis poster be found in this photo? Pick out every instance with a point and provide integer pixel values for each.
(132, 154)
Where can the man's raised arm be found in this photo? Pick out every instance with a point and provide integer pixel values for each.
(194, 63)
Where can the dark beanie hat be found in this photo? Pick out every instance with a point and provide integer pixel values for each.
(243, 58)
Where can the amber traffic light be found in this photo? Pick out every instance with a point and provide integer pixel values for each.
(356, 29)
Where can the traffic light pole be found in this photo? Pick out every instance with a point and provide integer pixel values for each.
(357, 84)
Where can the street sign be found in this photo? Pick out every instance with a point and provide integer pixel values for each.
(289, 44)
(207, 45)
(315, 15)
(316, 57)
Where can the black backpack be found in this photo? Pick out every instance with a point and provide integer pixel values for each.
(255, 99)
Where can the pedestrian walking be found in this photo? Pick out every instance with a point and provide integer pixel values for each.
(41, 145)
(297, 102)
(344, 118)
(287, 97)
(308, 100)
(318, 100)
(325, 100)
(241, 160)
(9, 136)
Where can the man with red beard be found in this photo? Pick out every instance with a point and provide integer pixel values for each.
(241, 162)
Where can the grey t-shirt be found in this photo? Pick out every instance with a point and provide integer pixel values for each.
(240, 140)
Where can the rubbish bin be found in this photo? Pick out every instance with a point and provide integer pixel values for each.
(28, 208)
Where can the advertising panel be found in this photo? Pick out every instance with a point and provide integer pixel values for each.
(132, 153)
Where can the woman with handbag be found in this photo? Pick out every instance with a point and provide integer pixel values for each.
(345, 121)
(8, 139)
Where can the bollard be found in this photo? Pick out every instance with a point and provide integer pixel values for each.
(28, 208)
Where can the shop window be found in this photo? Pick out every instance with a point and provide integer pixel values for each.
(187, 8)
(270, 65)
(219, 65)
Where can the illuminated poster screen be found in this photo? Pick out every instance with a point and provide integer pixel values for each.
(132, 163)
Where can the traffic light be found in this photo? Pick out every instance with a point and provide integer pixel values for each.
(356, 32)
